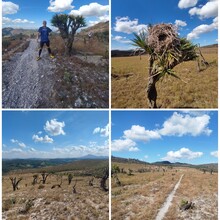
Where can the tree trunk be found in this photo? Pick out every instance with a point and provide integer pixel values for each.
(103, 180)
(44, 177)
(151, 88)
(69, 46)
(15, 182)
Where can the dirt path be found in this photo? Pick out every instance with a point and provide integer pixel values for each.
(168, 201)
(27, 82)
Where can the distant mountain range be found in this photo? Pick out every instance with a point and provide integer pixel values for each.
(8, 31)
(32, 163)
(209, 166)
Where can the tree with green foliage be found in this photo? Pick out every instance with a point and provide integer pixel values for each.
(115, 168)
(68, 26)
(166, 50)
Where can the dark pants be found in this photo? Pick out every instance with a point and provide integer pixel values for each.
(42, 45)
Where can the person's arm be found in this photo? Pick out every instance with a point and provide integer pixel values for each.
(38, 34)
(49, 31)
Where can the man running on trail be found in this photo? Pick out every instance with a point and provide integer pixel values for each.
(43, 34)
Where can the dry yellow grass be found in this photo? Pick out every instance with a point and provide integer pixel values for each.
(202, 190)
(42, 202)
(199, 89)
(142, 195)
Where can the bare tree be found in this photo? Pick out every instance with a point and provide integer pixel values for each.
(58, 185)
(44, 176)
(103, 180)
(130, 172)
(35, 177)
(74, 187)
(15, 182)
(117, 181)
(91, 181)
(70, 177)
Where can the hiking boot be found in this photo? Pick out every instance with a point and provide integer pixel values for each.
(38, 58)
(51, 56)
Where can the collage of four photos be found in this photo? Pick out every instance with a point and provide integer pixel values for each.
(109, 110)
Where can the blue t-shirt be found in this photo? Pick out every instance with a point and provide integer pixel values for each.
(44, 33)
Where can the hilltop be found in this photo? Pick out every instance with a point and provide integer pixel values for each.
(97, 28)
(213, 166)
(97, 44)
(56, 164)
(75, 190)
(9, 32)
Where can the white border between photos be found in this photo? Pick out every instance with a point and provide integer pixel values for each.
(110, 112)
(1, 111)
(109, 109)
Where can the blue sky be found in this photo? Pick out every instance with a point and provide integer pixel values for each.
(30, 14)
(54, 134)
(180, 136)
(196, 19)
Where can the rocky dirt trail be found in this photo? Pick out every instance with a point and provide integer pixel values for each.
(168, 201)
(74, 82)
(27, 82)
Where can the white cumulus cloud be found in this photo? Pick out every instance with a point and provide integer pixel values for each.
(187, 3)
(185, 124)
(45, 139)
(139, 133)
(202, 29)
(6, 20)
(121, 39)
(9, 8)
(102, 131)
(125, 25)
(183, 153)
(214, 153)
(209, 10)
(20, 144)
(60, 5)
(92, 10)
(54, 128)
(123, 145)
(180, 23)
(18, 20)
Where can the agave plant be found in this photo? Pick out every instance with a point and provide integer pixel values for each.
(162, 63)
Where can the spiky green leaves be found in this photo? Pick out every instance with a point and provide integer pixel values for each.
(139, 41)
(68, 23)
(77, 21)
(164, 62)
(59, 20)
(188, 50)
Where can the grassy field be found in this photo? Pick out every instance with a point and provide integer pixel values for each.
(195, 90)
(141, 195)
(98, 44)
(41, 201)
